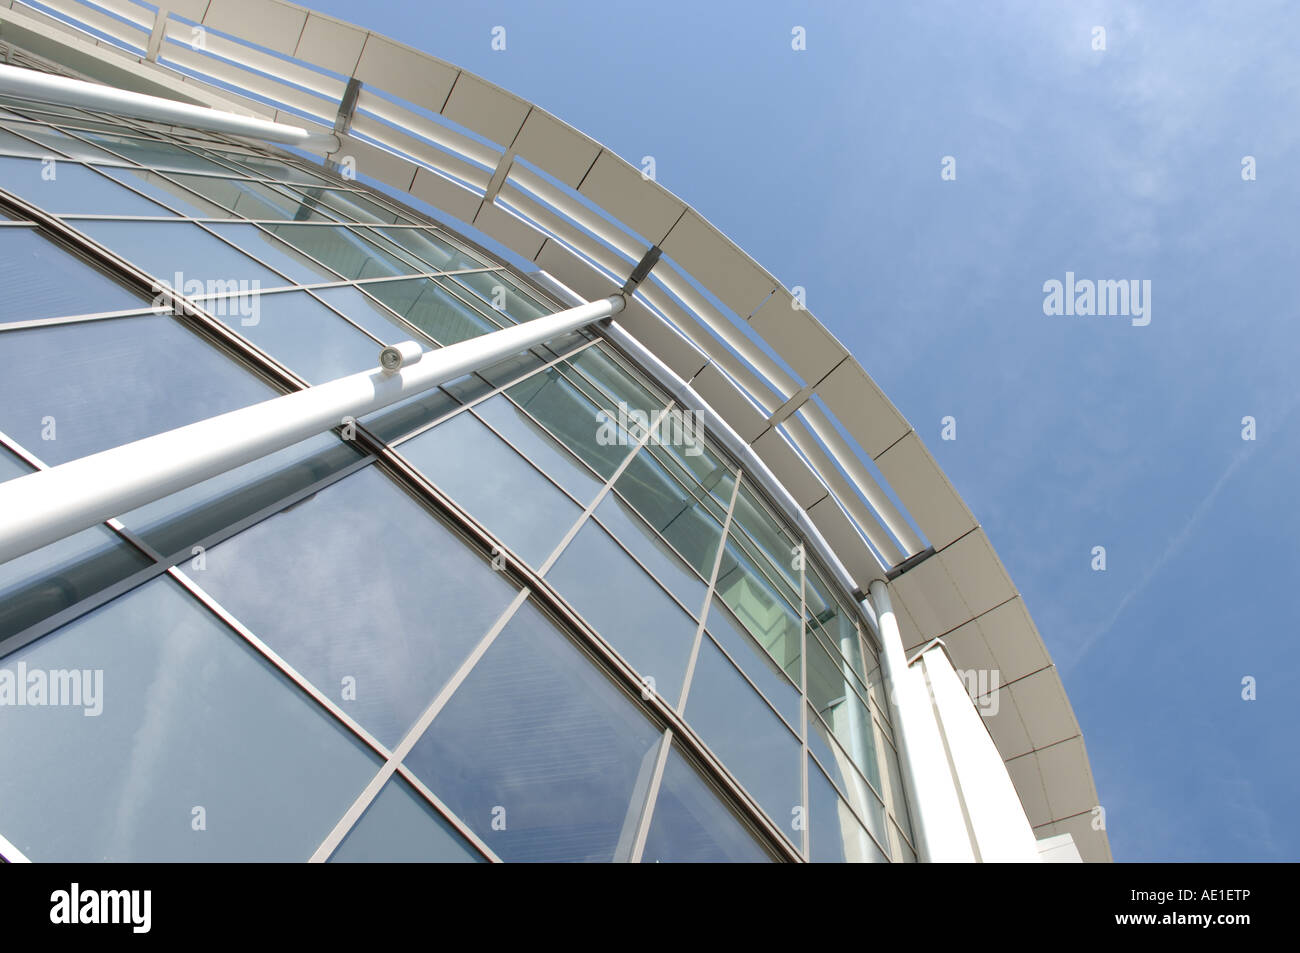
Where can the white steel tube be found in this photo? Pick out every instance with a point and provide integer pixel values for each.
(43, 507)
(937, 820)
(61, 90)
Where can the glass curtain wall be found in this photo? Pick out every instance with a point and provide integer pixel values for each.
(532, 627)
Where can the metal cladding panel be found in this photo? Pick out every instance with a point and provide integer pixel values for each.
(1015, 645)
(716, 263)
(789, 468)
(1048, 717)
(375, 162)
(858, 559)
(486, 109)
(571, 271)
(931, 599)
(682, 357)
(925, 491)
(861, 408)
(977, 572)
(1007, 726)
(442, 193)
(1090, 841)
(798, 337)
(331, 44)
(1060, 766)
(725, 398)
(510, 230)
(276, 25)
(404, 73)
(1028, 779)
(622, 190)
(555, 148)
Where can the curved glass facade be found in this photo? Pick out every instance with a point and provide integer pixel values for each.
(532, 615)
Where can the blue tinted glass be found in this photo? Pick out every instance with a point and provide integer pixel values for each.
(36, 586)
(253, 200)
(538, 752)
(692, 825)
(369, 314)
(50, 139)
(834, 834)
(603, 584)
(300, 332)
(746, 735)
(41, 280)
(436, 250)
(65, 188)
(185, 744)
(164, 189)
(754, 601)
(501, 294)
(367, 595)
(527, 435)
(432, 309)
(183, 256)
(117, 380)
(399, 826)
(495, 484)
(839, 767)
(622, 521)
(754, 661)
(344, 250)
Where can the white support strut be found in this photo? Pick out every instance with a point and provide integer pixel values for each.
(46, 506)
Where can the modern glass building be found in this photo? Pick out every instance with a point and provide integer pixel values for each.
(628, 560)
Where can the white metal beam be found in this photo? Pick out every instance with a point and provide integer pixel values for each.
(44, 507)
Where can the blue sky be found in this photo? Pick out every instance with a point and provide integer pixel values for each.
(1072, 432)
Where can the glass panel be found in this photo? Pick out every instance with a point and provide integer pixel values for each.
(65, 188)
(367, 595)
(563, 410)
(499, 293)
(601, 581)
(369, 314)
(617, 381)
(344, 250)
(183, 255)
(432, 309)
(154, 154)
(834, 834)
(692, 825)
(746, 735)
(283, 171)
(300, 332)
(839, 768)
(168, 192)
(207, 511)
(536, 444)
(441, 254)
(41, 280)
(832, 696)
(755, 662)
(401, 827)
(112, 382)
(36, 586)
(351, 206)
(897, 794)
(752, 599)
(51, 139)
(251, 199)
(495, 484)
(770, 547)
(279, 255)
(621, 521)
(538, 752)
(672, 510)
(179, 721)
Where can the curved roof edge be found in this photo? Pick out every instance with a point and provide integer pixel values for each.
(811, 414)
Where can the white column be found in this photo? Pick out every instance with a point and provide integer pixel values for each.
(46, 506)
(938, 821)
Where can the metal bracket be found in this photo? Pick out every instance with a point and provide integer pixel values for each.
(648, 261)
